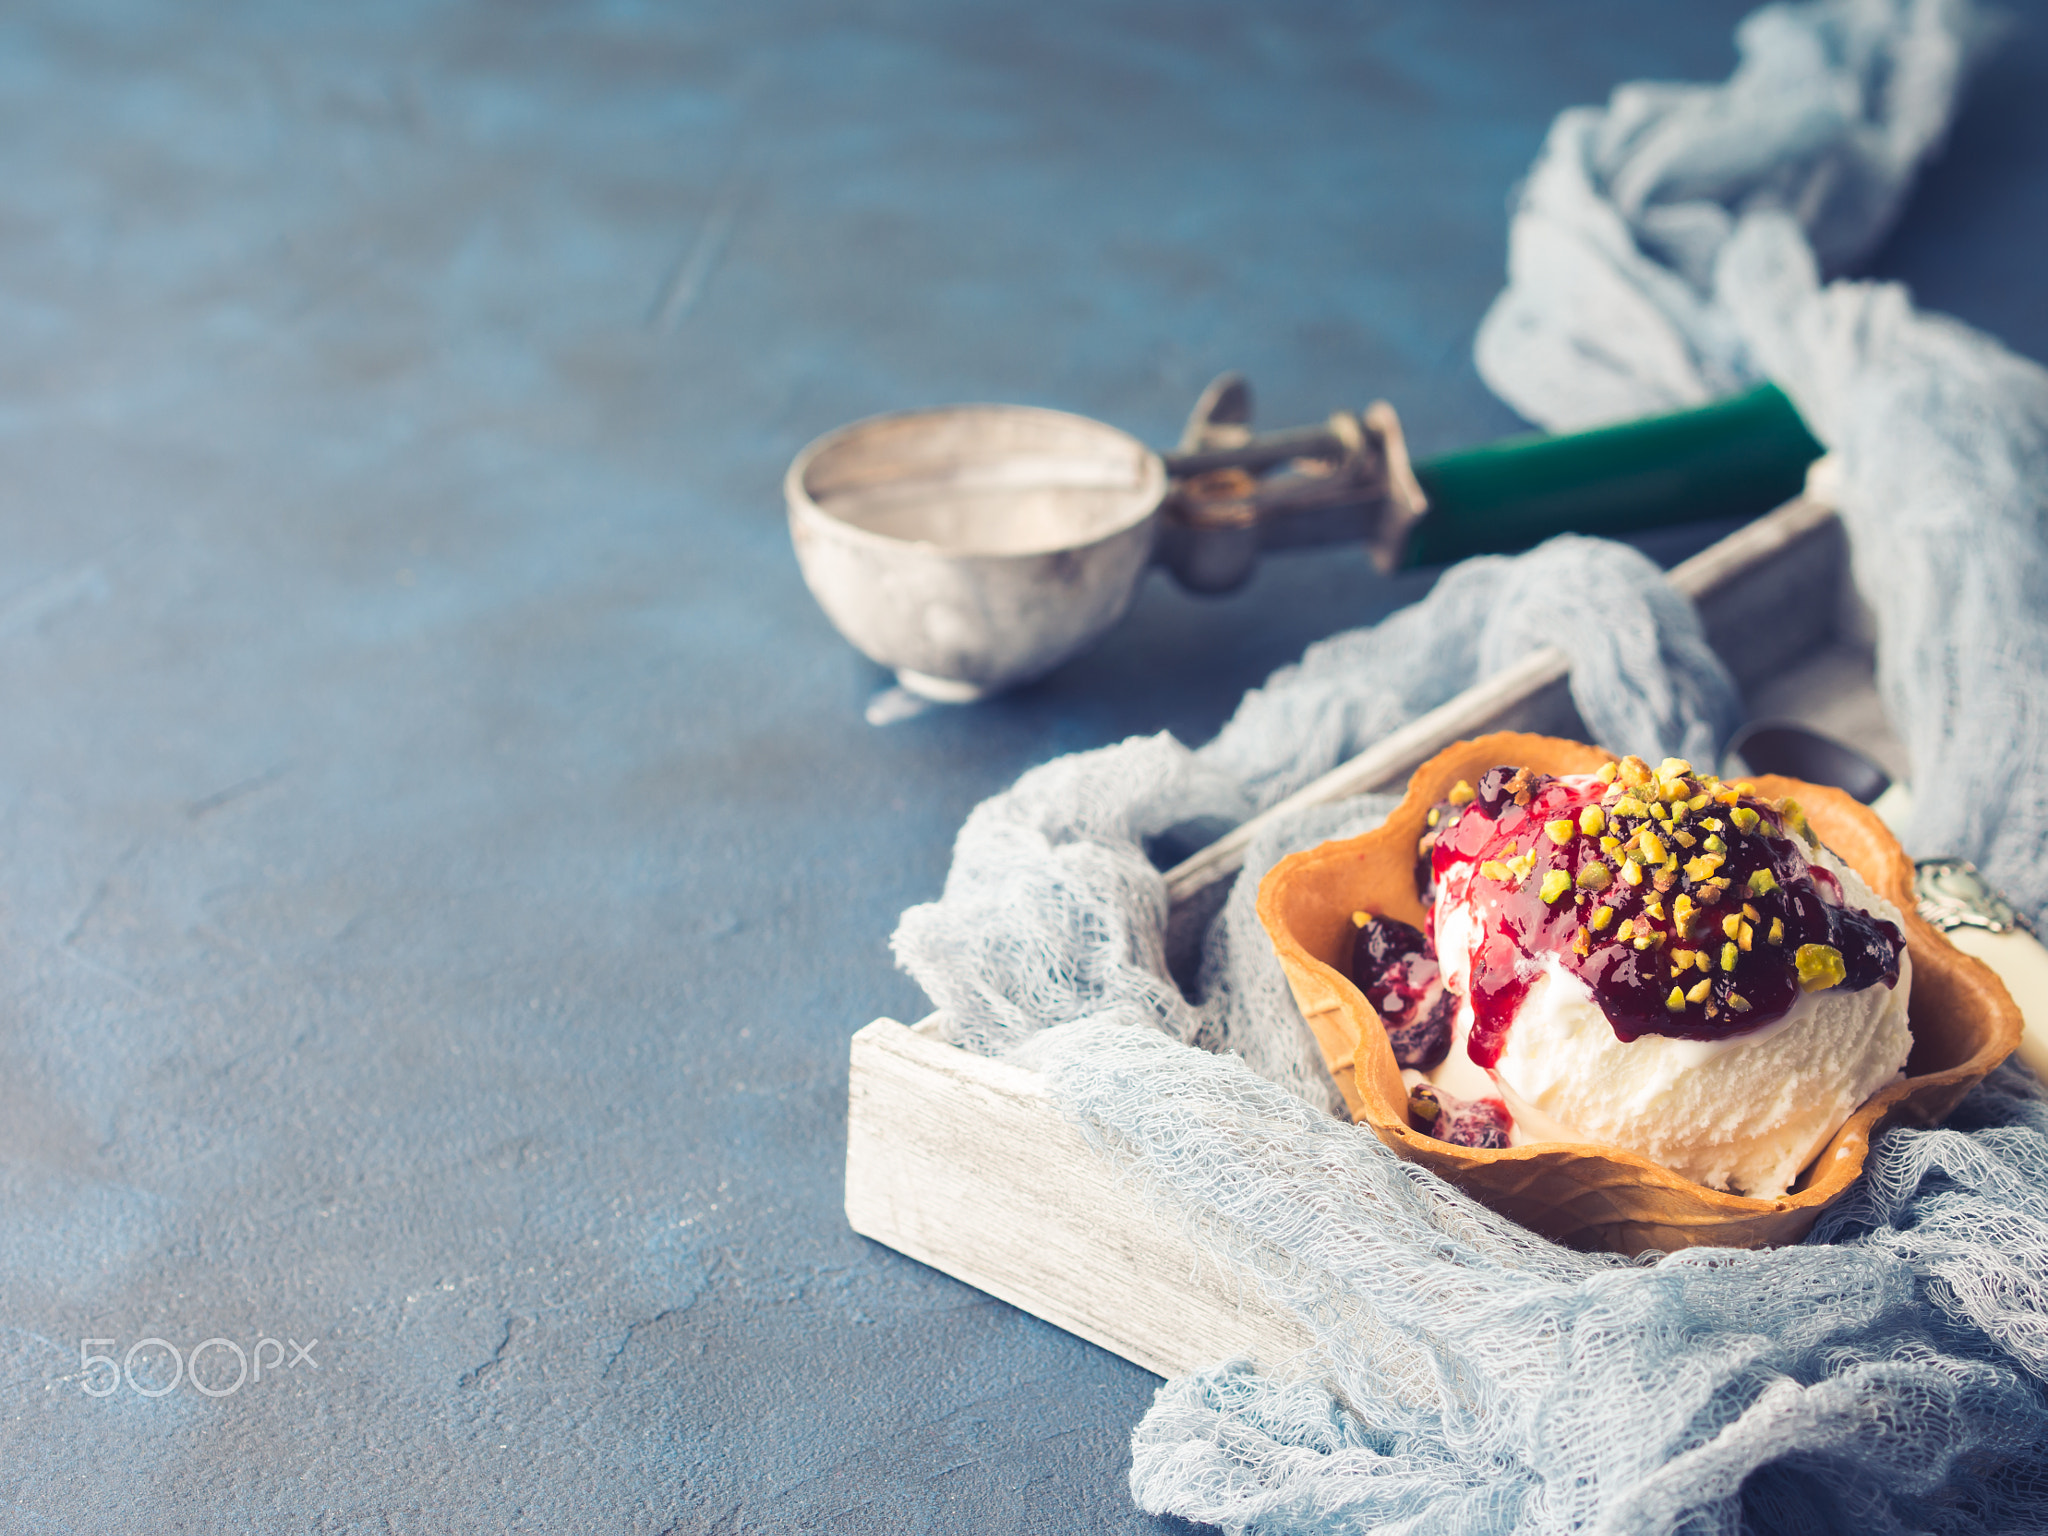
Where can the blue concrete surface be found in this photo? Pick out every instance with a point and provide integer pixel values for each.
(441, 856)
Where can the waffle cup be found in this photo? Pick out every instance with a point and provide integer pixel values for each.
(1588, 1195)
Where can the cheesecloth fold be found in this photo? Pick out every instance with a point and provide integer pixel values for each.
(1890, 1374)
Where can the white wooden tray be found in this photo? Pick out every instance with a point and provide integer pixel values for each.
(962, 1162)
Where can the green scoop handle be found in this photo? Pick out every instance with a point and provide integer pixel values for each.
(1738, 457)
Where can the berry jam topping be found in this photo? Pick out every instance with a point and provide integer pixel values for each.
(1687, 905)
(1461, 1122)
(1394, 968)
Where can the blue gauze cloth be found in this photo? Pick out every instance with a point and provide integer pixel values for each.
(1468, 1376)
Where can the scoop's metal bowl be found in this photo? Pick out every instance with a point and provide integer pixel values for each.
(975, 547)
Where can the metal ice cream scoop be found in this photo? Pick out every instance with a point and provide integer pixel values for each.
(974, 548)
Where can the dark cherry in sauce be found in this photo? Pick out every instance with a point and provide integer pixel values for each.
(1396, 969)
(1479, 1123)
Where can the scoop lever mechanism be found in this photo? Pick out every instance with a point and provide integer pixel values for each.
(1234, 493)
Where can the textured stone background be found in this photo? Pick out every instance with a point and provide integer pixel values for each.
(441, 855)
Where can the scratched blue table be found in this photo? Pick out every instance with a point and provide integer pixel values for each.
(441, 854)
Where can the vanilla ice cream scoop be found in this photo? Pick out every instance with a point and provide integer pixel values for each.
(1660, 962)
(1745, 1112)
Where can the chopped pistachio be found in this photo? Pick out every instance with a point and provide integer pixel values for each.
(1592, 821)
(1493, 869)
(1681, 915)
(1729, 955)
(1795, 819)
(1435, 815)
(1627, 930)
(1699, 802)
(1673, 768)
(1629, 805)
(1820, 967)
(1712, 823)
(1700, 989)
(1523, 864)
(1360, 919)
(1561, 830)
(1664, 878)
(1652, 847)
(1633, 771)
(1676, 1001)
(1683, 838)
(1670, 790)
(1738, 1002)
(1594, 876)
(1632, 872)
(1644, 940)
(1610, 845)
(1745, 937)
(1732, 924)
(1602, 917)
(1727, 795)
(1743, 787)
(1777, 933)
(1762, 882)
(1462, 793)
(1708, 892)
(1607, 771)
(1660, 810)
(1582, 943)
(1681, 960)
(1654, 907)
(1555, 883)
(1751, 913)
(1744, 818)
(1715, 845)
(1702, 866)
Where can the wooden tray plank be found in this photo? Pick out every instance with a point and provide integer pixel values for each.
(963, 1163)
(1771, 591)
